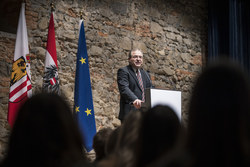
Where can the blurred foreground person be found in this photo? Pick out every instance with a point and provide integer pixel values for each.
(123, 154)
(45, 135)
(218, 131)
(112, 140)
(219, 117)
(100, 142)
(159, 133)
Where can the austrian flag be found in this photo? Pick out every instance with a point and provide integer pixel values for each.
(50, 79)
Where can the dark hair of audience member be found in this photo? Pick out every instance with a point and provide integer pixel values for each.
(112, 140)
(158, 134)
(219, 117)
(44, 134)
(100, 141)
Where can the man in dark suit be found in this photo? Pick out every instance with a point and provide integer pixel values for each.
(132, 81)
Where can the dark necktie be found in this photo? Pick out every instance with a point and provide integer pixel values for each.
(141, 84)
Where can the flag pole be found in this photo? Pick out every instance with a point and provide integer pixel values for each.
(81, 19)
(81, 14)
(52, 6)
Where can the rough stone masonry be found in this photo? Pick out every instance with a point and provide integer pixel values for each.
(171, 33)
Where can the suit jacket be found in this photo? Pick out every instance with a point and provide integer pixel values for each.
(130, 89)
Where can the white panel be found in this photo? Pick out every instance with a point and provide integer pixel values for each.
(167, 97)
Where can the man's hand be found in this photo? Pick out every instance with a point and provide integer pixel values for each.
(137, 103)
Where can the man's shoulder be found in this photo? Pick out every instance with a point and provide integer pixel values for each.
(126, 68)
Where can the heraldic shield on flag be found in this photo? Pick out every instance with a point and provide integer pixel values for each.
(20, 85)
(51, 80)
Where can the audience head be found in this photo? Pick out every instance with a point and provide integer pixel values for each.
(128, 134)
(44, 134)
(127, 140)
(158, 134)
(218, 127)
(112, 140)
(100, 141)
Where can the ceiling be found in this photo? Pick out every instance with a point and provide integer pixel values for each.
(9, 14)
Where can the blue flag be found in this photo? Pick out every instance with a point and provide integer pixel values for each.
(83, 108)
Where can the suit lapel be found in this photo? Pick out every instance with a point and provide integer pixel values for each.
(144, 78)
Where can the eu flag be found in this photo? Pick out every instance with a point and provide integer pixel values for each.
(83, 107)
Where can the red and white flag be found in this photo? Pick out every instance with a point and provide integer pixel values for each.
(51, 79)
(20, 85)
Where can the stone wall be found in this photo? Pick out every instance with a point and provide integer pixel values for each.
(171, 33)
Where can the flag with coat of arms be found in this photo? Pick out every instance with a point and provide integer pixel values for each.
(20, 83)
(51, 79)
